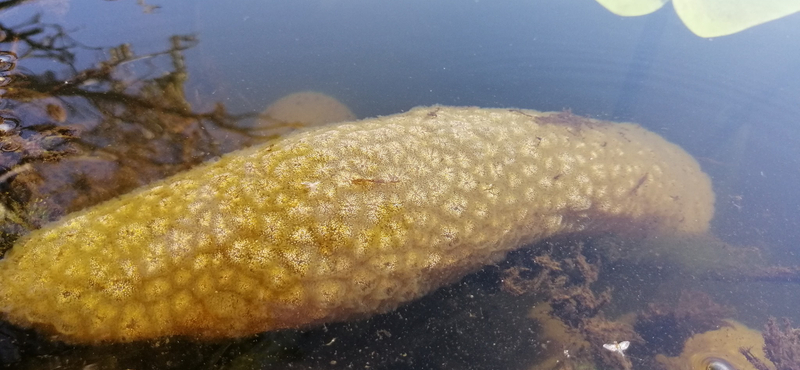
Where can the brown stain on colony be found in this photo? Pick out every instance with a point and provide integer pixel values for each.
(342, 221)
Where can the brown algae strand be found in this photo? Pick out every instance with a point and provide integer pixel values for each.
(343, 221)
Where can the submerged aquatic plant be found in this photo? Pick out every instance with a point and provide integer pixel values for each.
(565, 275)
(782, 344)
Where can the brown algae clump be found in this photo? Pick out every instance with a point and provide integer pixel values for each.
(342, 221)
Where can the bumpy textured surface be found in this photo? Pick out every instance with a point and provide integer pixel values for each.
(343, 221)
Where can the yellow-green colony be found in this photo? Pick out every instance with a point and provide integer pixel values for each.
(719, 349)
(343, 221)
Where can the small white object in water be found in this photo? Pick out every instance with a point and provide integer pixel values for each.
(618, 347)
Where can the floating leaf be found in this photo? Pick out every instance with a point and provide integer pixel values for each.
(712, 18)
(632, 8)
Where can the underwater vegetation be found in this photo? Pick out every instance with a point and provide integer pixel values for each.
(564, 275)
(343, 221)
(781, 346)
(689, 332)
(711, 18)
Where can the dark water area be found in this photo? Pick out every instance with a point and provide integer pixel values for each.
(732, 102)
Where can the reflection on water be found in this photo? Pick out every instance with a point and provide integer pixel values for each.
(85, 119)
(8, 60)
(83, 136)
